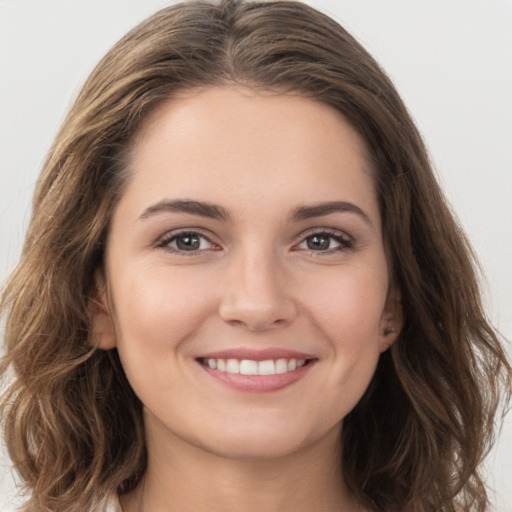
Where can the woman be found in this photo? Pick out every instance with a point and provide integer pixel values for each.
(241, 287)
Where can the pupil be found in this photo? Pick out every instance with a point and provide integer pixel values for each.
(318, 242)
(188, 242)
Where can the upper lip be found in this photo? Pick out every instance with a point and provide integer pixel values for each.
(256, 354)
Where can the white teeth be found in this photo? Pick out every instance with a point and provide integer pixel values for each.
(233, 366)
(248, 367)
(251, 367)
(281, 366)
(267, 367)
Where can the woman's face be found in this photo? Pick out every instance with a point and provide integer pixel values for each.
(248, 288)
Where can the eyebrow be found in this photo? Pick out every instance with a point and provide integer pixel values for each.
(200, 208)
(328, 208)
(214, 211)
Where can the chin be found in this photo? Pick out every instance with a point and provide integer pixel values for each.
(265, 441)
(249, 448)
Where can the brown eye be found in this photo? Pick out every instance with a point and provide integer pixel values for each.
(327, 242)
(188, 242)
(319, 242)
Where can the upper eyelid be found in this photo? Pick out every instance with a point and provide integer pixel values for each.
(327, 231)
(180, 231)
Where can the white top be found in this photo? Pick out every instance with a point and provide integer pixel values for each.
(112, 505)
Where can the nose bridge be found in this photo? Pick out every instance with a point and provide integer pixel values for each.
(256, 291)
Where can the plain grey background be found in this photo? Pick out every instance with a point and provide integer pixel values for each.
(450, 60)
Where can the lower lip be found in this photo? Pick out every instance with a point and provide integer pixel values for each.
(259, 383)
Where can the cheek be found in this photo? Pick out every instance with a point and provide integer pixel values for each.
(157, 312)
(348, 305)
(348, 312)
(157, 309)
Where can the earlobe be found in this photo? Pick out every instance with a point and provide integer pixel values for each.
(392, 319)
(103, 333)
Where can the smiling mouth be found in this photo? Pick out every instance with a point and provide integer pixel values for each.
(252, 367)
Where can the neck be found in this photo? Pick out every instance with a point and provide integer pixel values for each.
(182, 477)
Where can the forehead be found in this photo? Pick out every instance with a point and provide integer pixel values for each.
(238, 144)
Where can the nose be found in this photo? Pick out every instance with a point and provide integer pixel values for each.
(255, 294)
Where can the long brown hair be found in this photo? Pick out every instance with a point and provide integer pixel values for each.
(73, 426)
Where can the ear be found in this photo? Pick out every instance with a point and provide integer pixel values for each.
(392, 319)
(103, 333)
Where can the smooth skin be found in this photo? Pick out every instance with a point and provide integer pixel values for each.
(265, 264)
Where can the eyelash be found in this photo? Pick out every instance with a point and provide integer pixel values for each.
(165, 241)
(345, 242)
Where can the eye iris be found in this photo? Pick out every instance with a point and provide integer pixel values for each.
(318, 242)
(188, 242)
